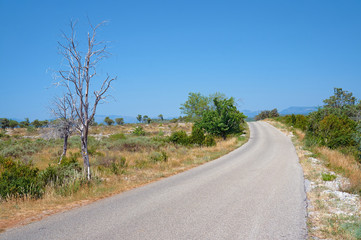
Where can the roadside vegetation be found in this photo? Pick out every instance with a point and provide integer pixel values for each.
(328, 145)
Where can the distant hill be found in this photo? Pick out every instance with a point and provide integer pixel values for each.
(298, 110)
(291, 110)
(250, 114)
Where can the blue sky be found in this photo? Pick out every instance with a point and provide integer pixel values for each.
(267, 54)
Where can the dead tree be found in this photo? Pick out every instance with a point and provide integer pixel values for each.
(64, 110)
(79, 79)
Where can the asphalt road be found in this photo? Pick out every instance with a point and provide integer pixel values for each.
(255, 192)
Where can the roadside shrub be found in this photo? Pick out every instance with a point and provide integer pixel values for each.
(141, 163)
(209, 141)
(336, 131)
(118, 165)
(58, 175)
(18, 180)
(139, 131)
(197, 136)
(301, 122)
(66, 178)
(179, 137)
(114, 163)
(158, 156)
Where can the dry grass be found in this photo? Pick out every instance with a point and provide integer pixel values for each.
(139, 171)
(344, 164)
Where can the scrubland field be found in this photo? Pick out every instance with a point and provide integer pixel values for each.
(121, 157)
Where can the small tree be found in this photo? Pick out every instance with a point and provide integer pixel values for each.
(161, 117)
(119, 121)
(342, 103)
(109, 121)
(145, 118)
(13, 124)
(139, 118)
(36, 123)
(64, 110)
(25, 123)
(194, 107)
(78, 79)
(4, 123)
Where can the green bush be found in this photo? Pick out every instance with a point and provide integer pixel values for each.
(18, 180)
(179, 137)
(18, 148)
(119, 165)
(66, 178)
(58, 175)
(336, 131)
(158, 157)
(209, 141)
(197, 136)
(138, 131)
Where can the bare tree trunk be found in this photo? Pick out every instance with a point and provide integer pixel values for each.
(84, 152)
(65, 148)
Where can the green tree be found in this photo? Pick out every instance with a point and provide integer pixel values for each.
(161, 117)
(36, 123)
(145, 118)
(13, 124)
(225, 119)
(109, 121)
(194, 107)
(25, 123)
(342, 103)
(119, 121)
(4, 123)
(139, 118)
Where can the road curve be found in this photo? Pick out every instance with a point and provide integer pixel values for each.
(254, 192)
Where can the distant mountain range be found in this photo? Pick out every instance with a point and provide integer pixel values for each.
(298, 110)
(290, 110)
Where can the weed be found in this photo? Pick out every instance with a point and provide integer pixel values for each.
(158, 156)
(117, 136)
(141, 163)
(209, 141)
(328, 177)
(138, 131)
